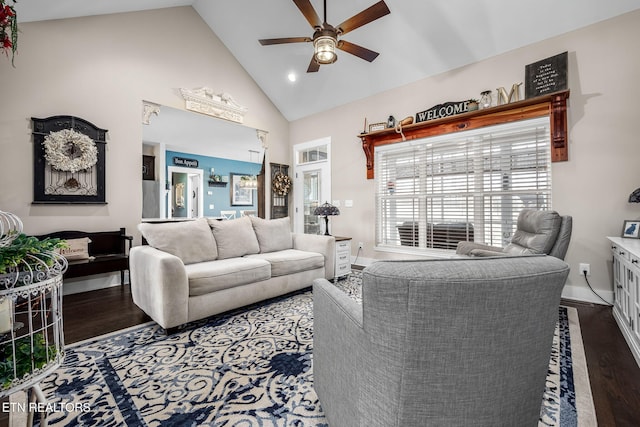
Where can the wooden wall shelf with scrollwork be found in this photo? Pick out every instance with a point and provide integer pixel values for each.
(553, 105)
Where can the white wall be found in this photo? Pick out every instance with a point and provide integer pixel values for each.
(593, 186)
(101, 68)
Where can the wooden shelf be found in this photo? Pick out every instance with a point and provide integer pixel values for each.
(217, 184)
(553, 105)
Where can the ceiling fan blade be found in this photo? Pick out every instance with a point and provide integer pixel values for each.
(265, 42)
(309, 12)
(313, 66)
(370, 14)
(359, 51)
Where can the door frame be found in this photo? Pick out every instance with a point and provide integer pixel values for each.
(188, 172)
(323, 165)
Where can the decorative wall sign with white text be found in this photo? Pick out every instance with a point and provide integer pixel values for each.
(442, 110)
(185, 162)
(546, 76)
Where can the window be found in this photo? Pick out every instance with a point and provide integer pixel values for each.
(434, 192)
(312, 154)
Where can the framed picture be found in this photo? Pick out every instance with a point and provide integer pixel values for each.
(631, 228)
(148, 167)
(377, 126)
(68, 161)
(240, 196)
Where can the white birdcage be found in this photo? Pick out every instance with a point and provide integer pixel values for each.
(10, 226)
(31, 332)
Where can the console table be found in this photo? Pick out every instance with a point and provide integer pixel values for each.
(626, 287)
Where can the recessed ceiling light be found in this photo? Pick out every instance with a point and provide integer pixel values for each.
(292, 77)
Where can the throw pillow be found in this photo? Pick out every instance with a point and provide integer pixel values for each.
(78, 249)
(234, 237)
(273, 235)
(191, 241)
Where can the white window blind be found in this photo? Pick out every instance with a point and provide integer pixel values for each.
(434, 192)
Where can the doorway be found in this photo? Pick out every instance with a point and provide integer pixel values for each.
(312, 184)
(186, 192)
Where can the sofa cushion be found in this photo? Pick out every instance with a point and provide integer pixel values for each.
(234, 237)
(273, 235)
(191, 241)
(290, 261)
(535, 234)
(211, 276)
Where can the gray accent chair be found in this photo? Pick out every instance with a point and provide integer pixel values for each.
(454, 342)
(537, 232)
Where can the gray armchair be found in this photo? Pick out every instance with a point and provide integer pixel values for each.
(537, 232)
(455, 342)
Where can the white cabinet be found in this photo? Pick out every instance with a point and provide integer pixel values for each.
(626, 287)
(343, 257)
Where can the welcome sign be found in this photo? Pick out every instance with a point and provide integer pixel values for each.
(442, 110)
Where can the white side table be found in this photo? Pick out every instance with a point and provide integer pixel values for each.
(343, 257)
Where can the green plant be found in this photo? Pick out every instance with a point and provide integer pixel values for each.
(22, 246)
(27, 358)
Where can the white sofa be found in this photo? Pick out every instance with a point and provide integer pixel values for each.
(194, 269)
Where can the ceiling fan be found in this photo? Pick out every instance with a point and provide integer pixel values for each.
(325, 37)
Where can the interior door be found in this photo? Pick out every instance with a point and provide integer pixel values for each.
(311, 188)
(312, 184)
(186, 192)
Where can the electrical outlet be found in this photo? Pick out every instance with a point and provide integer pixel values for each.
(360, 245)
(585, 268)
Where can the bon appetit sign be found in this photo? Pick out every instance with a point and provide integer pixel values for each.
(186, 162)
(442, 110)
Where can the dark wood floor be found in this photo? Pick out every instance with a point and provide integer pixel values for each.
(613, 372)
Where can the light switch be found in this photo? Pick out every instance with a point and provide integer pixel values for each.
(348, 203)
(209, 193)
(211, 207)
(336, 203)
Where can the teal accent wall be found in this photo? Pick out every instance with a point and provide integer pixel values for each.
(220, 196)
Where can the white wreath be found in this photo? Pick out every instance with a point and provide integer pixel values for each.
(70, 151)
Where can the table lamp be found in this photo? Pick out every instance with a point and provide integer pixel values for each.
(326, 210)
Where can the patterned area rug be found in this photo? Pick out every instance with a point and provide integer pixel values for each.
(249, 367)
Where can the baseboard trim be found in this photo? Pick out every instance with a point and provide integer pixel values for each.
(92, 283)
(582, 294)
(362, 262)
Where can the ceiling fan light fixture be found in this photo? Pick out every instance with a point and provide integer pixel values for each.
(325, 50)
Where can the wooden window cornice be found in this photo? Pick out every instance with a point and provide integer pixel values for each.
(553, 105)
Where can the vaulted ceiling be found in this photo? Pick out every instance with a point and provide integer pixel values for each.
(417, 39)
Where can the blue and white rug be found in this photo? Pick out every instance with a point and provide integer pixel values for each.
(250, 367)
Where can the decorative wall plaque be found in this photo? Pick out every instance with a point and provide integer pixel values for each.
(68, 161)
(442, 110)
(546, 76)
(185, 162)
(220, 105)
